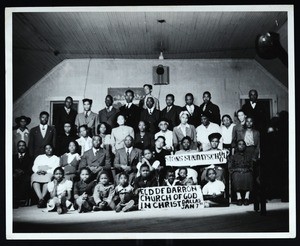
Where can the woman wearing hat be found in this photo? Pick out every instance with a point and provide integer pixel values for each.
(21, 132)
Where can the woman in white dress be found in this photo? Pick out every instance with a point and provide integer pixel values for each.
(43, 168)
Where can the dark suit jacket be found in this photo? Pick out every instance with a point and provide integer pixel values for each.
(62, 117)
(213, 111)
(121, 159)
(132, 115)
(151, 120)
(150, 182)
(172, 116)
(37, 142)
(256, 138)
(108, 117)
(258, 114)
(62, 144)
(194, 119)
(24, 164)
(102, 159)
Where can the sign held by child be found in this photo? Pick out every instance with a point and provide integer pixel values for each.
(175, 197)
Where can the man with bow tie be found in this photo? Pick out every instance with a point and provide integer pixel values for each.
(108, 114)
(41, 135)
(22, 164)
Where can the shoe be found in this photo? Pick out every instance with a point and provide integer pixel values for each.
(128, 206)
(239, 202)
(59, 210)
(246, 202)
(41, 203)
(96, 208)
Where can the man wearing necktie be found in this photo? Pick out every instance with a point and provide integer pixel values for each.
(108, 114)
(171, 112)
(151, 116)
(41, 135)
(96, 159)
(126, 159)
(130, 111)
(22, 164)
(210, 109)
(192, 109)
(87, 117)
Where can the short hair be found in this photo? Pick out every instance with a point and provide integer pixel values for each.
(184, 112)
(84, 126)
(170, 95)
(207, 92)
(162, 137)
(228, 116)
(241, 140)
(123, 174)
(150, 86)
(254, 91)
(250, 117)
(101, 173)
(68, 97)
(182, 168)
(144, 165)
(96, 136)
(76, 144)
(68, 122)
(86, 169)
(111, 98)
(189, 94)
(145, 150)
(150, 98)
(129, 91)
(240, 110)
(186, 138)
(49, 144)
(130, 137)
(60, 169)
(44, 113)
(108, 127)
(209, 169)
(21, 141)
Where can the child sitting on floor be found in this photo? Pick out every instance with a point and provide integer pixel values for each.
(124, 194)
(146, 179)
(83, 191)
(60, 192)
(183, 177)
(213, 191)
(104, 193)
(170, 179)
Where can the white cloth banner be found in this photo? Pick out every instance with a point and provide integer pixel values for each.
(197, 159)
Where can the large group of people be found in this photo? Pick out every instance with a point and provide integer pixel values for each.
(101, 161)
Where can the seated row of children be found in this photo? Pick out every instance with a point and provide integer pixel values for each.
(88, 195)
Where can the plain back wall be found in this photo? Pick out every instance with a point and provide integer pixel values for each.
(226, 79)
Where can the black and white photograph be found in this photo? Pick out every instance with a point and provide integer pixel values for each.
(153, 122)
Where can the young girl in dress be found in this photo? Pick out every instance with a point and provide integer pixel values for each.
(240, 166)
(85, 141)
(60, 192)
(150, 161)
(83, 191)
(124, 194)
(70, 161)
(170, 179)
(213, 191)
(104, 193)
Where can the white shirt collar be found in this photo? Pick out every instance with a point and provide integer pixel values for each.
(87, 112)
(21, 154)
(45, 127)
(253, 104)
(67, 109)
(25, 131)
(128, 104)
(186, 125)
(128, 149)
(94, 150)
(151, 109)
(109, 108)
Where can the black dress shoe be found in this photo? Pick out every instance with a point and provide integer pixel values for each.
(239, 202)
(246, 202)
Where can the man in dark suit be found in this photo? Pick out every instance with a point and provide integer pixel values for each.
(126, 160)
(22, 164)
(96, 159)
(255, 109)
(65, 114)
(210, 109)
(192, 109)
(171, 112)
(63, 140)
(151, 116)
(130, 111)
(108, 114)
(41, 135)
